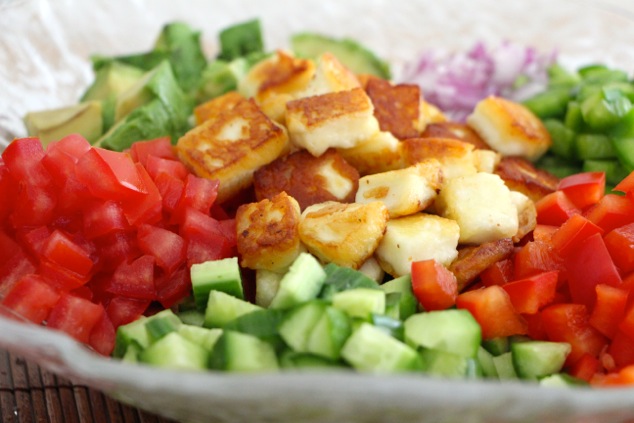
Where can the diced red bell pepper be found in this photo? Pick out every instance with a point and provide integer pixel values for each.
(134, 279)
(157, 165)
(585, 368)
(75, 316)
(434, 286)
(544, 233)
(531, 294)
(494, 311)
(146, 208)
(555, 208)
(611, 212)
(620, 244)
(32, 298)
(159, 147)
(626, 185)
(572, 232)
(498, 273)
(609, 309)
(23, 157)
(167, 247)
(583, 189)
(103, 217)
(536, 257)
(123, 310)
(570, 323)
(587, 266)
(103, 336)
(535, 327)
(622, 349)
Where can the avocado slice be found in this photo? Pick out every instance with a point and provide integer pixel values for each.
(352, 54)
(51, 125)
(111, 80)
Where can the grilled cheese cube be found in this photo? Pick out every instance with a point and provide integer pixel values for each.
(212, 108)
(380, 153)
(345, 234)
(510, 128)
(521, 175)
(481, 204)
(275, 81)
(331, 76)
(232, 146)
(268, 233)
(486, 160)
(308, 179)
(372, 269)
(341, 119)
(419, 236)
(456, 157)
(404, 191)
(458, 130)
(429, 114)
(526, 214)
(396, 107)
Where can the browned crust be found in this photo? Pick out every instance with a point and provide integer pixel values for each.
(473, 260)
(396, 107)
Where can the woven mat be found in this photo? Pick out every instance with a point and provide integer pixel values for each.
(29, 394)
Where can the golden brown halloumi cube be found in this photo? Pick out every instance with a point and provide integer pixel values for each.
(379, 153)
(341, 119)
(212, 108)
(456, 157)
(521, 175)
(510, 128)
(526, 215)
(345, 234)
(419, 236)
(458, 130)
(331, 76)
(275, 81)
(232, 146)
(268, 233)
(481, 204)
(308, 179)
(396, 107)
(404, 191)
(429, 114)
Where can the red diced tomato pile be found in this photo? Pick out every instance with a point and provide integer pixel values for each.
(571, 280)
(91, 238)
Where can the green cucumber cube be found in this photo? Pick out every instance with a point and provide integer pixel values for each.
(536, 359)
(222, 308)
(360, 302)
(217, 275)
(302, 282)
(240, 352)
(173, 351)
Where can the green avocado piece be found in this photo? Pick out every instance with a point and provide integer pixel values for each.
(352, 54)
(51, 125)
(111, 80)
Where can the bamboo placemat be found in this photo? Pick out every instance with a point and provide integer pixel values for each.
(30, 394)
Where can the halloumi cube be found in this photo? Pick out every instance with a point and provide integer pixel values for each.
(232, 146)
(268, 233)
(345, 234)
(275, 81)
(379, 153)
(214, 107)
(396, 107)
(372, 269)
(420, 236)
(481, 204)
(428, 114)
(341, 120)
(510, 128)
(458, 130)
(404, 191)
(330, 76)
(308, 179)
(486, 160)
(526, 214)
(521, 175)
(456, 157)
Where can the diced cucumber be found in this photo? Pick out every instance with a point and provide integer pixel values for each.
(393, 305)
(408, 303)
(301, 283)
(485, 358)
(131, 354)
(496, 346)
(133, 333)
(290, 359)
(192, 317)
(339, 278)
(222, 308)
(241, 352)
(175, 352)
(562, 380)
(454, 331)
(504, 366)
(442, 363)
(329, 334)
(262, 323)
(360, 302)
(389, 325)
(219, 275)
(536, 359)
(161, 324)
(266, 285)
(370, 349)
(204, 337)
(296, 327)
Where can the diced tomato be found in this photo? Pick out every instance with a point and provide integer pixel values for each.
(572, 232)
(434, 286)
(536, 257)
(167, 247)
(570, 323)
(171, 189)
(75, 316)
(492, 308)
(609, 309)
(12, 270)
(103, 217)
(585, 368)
(146, 208)
(32, 298)
(622, 349)
(103, 336)
(620, 244)
(531, 294)
(583, 189)
(157, 165)
(64, 252)
(61, 156)
(33, 206)
(74, 145)
(498, 273)
(116, 248)
(32, 239)
(611, 212)
(8, 190)
(229, 230)
(555, 208)
(199, 194)
(172, 288)
(8, 247)
(587, 266)
(134, 280)
(206, 237)
(60, 277)
(123, 310)
(159, 147)
(23, 157)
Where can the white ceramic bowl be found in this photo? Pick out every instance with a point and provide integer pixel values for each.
(44, 50)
